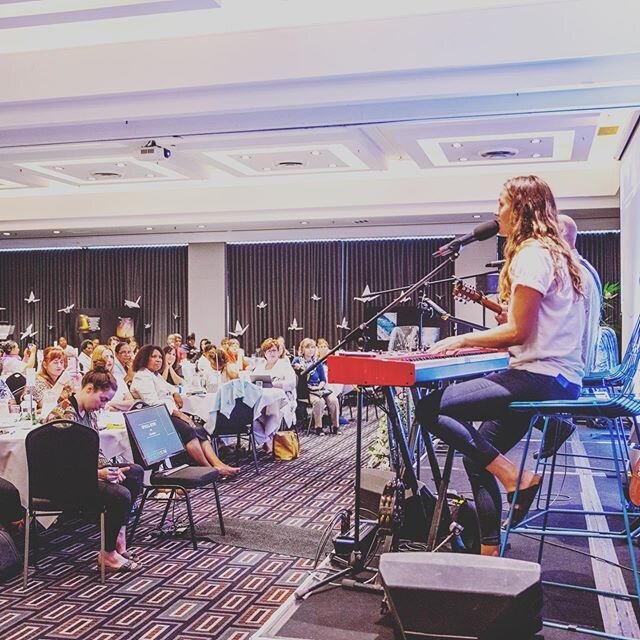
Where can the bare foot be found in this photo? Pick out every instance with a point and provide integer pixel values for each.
(228, 472)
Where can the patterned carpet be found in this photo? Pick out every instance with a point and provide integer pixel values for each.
(218, 591)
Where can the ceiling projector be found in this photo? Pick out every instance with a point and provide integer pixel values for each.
(152, 152)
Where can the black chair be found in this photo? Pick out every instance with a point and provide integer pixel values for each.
(240, 424)
(62, 460)
(16, 383)
(303, 404)
(182, 479)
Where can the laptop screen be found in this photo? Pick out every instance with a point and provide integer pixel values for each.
(154, 433)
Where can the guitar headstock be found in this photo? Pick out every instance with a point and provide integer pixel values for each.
(462, 291)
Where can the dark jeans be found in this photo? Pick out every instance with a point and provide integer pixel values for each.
(10, 506)
(448, 415)
(118, 499)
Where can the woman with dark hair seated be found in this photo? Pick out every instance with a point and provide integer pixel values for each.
(118, 485)
(170, 373)
(150, 387)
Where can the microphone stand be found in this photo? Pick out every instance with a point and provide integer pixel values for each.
(357, 556)
(451, 279)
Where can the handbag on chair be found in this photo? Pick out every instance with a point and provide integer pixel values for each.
(286, 445)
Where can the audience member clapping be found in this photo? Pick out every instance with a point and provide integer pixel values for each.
(54, 376)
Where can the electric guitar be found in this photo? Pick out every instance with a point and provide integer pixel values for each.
(463, 291)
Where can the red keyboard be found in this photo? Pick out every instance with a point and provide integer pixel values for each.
(406, 369)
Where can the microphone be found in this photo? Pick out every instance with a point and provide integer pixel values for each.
(495, 263)
(483, 231)
(437, 308)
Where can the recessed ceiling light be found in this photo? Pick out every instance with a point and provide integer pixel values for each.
(56, 232)
(201, 226)
(463, 159)
(59, 168)
(121, 164)
(266, 168)
(535, 141)
(151, 175)
(6, 233)
(91, 178)
(476, 217)
(315, 152)
(244, 156)
(303, 222)
(535, 155)
(333, 165)
(457, 145)
(149, 228)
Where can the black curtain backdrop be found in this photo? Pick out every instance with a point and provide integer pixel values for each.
(95, 278)
(286, 275)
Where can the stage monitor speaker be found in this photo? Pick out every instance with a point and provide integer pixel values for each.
(466, 597)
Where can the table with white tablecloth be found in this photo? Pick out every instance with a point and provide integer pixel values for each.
(13, 454)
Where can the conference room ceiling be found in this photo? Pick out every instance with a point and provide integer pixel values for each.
(287, 138)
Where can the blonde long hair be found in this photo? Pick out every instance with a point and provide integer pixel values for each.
(534, 217)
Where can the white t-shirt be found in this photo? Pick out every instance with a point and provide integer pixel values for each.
(555, 345)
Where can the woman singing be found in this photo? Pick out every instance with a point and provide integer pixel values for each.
(542, 330)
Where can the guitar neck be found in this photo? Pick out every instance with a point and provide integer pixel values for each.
(489, 304)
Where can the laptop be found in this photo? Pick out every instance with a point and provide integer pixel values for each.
(154, 434)
(265, 378)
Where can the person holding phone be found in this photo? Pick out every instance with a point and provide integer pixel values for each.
(55, 375)
(118, 485)
(11, 360)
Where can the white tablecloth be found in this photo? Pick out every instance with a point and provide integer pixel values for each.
(13, 454)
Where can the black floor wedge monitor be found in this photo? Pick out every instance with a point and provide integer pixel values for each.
(462, 596)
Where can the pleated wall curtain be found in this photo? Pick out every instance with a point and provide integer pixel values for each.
(95, 278)
(287, 275)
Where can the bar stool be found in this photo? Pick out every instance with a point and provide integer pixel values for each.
(613, 409)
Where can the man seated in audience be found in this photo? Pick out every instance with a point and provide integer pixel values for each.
(122, 364)
(84, 359)
(69, 351)
(13, 363)
(190, 347)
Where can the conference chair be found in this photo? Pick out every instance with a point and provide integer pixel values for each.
(62, 461)
(239, 424)
(155, 443)
(16, 383)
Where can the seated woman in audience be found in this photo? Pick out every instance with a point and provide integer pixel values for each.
(282, 377)
(282, 348)
(11, 360)
(235, 354)
(122, 399)
(319, 394)
(118, 485)
(218, 360)
(54, 376)
(150, 387)
(170, 372)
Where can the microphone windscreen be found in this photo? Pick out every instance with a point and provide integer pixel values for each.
(486, 230)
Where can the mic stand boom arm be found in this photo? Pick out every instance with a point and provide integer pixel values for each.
(360, 329)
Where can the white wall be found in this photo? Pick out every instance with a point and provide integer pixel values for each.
(207, 290)
(630, 236)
